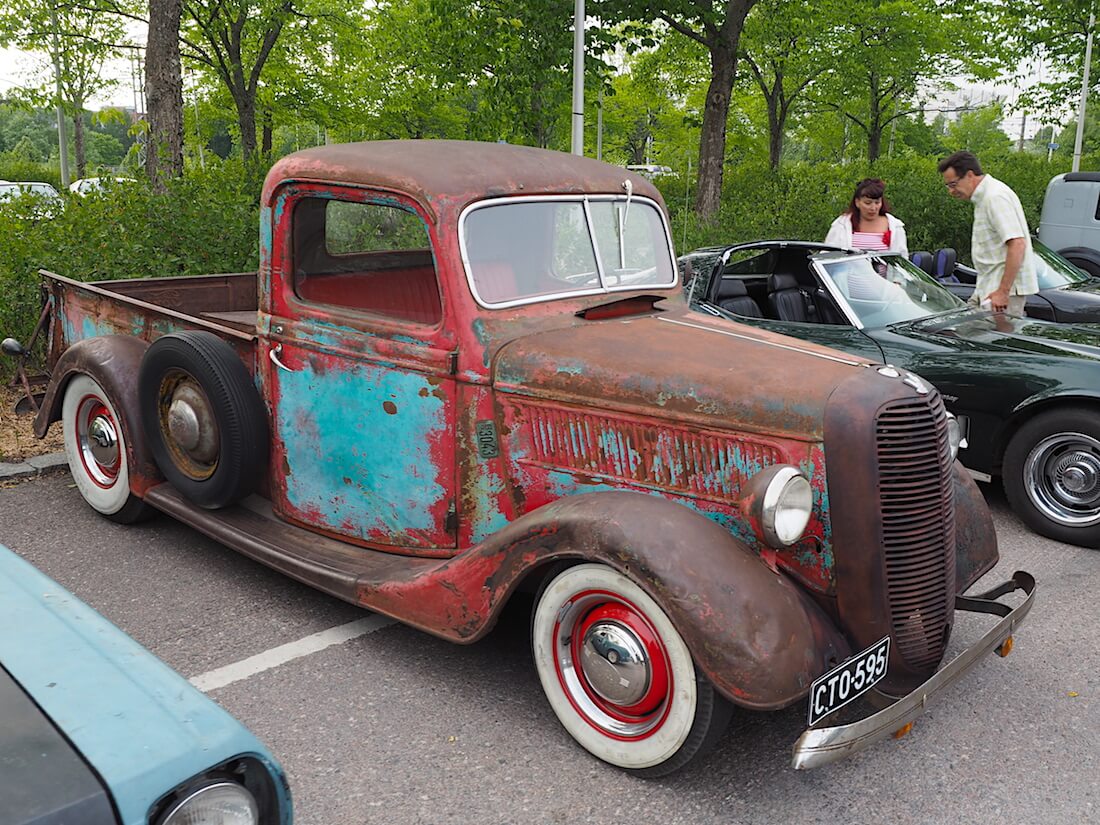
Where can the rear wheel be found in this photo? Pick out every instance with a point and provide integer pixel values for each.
(1052, 475)
(619, 676)
(95, 445)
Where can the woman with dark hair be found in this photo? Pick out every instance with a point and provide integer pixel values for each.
(868, 223)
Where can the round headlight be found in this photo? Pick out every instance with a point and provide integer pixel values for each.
(788, 502)
(222, 803)
(954, 434)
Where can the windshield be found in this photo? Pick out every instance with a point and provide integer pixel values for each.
(518, 251)
(14, 190)
(887, 290)
(1052, 270)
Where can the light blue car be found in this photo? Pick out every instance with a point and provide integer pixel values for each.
(95, 729)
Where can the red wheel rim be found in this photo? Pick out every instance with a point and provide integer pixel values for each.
(625, 721)
(97, 442)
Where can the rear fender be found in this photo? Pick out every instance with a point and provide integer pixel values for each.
(113, 361)
(755, 635)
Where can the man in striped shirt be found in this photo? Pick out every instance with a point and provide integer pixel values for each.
(1000, 243)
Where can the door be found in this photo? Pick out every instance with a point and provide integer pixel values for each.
(360, 373)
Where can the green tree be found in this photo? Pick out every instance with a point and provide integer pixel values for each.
(717, 28)
(77, 39)
(787, 46)
(887, 51)
(979, 131)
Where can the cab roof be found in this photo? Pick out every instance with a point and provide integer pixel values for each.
(457, 172)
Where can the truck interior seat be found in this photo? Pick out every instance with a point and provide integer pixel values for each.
(408, 293)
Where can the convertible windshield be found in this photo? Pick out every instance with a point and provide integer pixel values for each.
(520, 251)
(1052, 269)
(887, 290)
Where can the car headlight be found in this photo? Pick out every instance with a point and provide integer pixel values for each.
(780, 501)
(954, 435)
(220, 803)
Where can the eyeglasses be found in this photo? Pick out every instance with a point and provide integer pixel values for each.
(952, 184)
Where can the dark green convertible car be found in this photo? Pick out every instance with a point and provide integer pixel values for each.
(1026, 392)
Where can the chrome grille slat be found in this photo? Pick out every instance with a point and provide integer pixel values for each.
(918, 526)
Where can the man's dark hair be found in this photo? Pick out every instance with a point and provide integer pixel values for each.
(962, 162)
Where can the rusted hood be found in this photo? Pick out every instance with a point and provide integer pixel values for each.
(682, 365)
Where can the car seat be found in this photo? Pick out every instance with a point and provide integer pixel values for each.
(785, 299)
(943, 266)
(734, 297)
(923, 260)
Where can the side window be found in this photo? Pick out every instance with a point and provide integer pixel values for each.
(371, 257)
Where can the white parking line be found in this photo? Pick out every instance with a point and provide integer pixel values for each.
(222, 676)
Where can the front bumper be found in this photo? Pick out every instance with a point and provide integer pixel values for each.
(820, 746)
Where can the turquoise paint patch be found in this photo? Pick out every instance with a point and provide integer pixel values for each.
(561, 484)
(360, 466)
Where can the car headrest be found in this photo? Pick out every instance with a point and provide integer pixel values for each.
(781, 280)
(943, 263)
(923, 260)
(731, 288)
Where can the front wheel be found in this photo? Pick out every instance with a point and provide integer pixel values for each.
(618, 675)
(95, 445)
(1052, 475)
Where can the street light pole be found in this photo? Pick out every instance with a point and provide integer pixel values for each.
(1084, 97)
(578, 78)
(62, 137)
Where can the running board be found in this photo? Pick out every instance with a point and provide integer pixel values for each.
(252, 529)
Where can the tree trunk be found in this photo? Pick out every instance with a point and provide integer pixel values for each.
(268, 132)
(246, 121)
(712, 141)
(78, 141)
(777, 121)
(164, 92)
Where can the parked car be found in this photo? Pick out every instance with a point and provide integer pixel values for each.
(84, 186)
(40, 199)
(467, 369)
(95, 729)
(1070, 220)
(1026, 392)
(1066, 293)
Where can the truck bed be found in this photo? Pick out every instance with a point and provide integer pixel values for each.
(150, 307)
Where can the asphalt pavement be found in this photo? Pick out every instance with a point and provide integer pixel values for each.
(378, 723)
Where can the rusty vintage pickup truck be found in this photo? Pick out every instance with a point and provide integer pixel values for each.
(465, 370)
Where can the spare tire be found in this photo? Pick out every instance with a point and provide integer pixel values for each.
(204, 420)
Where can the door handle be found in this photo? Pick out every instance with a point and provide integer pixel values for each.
(273, 354)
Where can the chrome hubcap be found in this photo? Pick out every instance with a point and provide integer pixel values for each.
(612, 664)
(615, 663)
(97, 440)
(1062, 477)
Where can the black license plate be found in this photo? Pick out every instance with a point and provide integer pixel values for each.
(849, 680)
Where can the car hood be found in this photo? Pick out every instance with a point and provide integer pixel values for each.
(139, 724)
(970, 327)
(684, 365)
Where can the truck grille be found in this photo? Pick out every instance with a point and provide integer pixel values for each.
(918, 526)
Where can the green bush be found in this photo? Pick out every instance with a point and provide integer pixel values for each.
(206, 222)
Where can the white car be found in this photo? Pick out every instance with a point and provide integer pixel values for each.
(46, 199)
(86, 185)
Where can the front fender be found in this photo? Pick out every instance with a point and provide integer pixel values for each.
(755, 635)
(975, 537)
(113, 361)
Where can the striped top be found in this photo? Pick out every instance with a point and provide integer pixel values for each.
(874, 241)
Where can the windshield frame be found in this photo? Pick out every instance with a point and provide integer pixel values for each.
(846, 308)
(1052, 260)
(584, 200)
